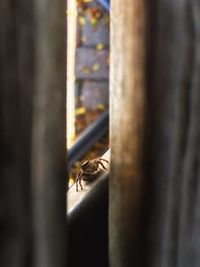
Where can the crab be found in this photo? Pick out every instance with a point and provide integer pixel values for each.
(90, 169)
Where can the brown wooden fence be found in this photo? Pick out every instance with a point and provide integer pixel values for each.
(32, 133)
(155, 131)
(154, 185)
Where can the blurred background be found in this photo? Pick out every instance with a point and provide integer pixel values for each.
(87, 80)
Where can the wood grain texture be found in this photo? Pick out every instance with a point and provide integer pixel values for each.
(16, 91)
(175, 133)
(127, 101)
(32, 51)
(169, 214)
(49, 175)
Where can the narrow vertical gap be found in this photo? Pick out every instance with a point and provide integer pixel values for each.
(71, 43)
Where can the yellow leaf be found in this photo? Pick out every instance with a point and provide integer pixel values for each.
(99, 46)
(80, 111)
(93, 22)
(101, 106)
(96, 67)
(81, 20)
(86, 69)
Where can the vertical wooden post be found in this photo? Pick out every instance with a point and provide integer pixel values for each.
(71, 45)
(172, 199)
(127, 101)
(174, 101)
(32, 69)
(49, 176)
(16, 93)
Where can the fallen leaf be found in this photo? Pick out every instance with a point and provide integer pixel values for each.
(80, 111)
(101, 106)
(93, 22)
(86, 70)
(96, 67)
(99, 46)
(81, 20)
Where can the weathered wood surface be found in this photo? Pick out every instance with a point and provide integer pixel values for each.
(32, 51)
(169, 234)
(127, 100)
(49, 175)
(88, 222)
(88, 228)
(16, 92)
(174, 112)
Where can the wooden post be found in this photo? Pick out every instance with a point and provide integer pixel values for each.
(127, 101)
(71, 47)
(49, 175)
(170, 206)
(174, 112)
(32, 69)
(16, 93)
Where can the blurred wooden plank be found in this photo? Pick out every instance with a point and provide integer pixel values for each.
(168, 212)
(127, 100)
(174, 111)
(16, 94)
(49, 173)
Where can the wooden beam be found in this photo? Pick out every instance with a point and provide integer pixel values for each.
(49, 175)
(170, 206)
(127, 102)
(71, 45)
(174, 112)
(16, 93)
(33, 150)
